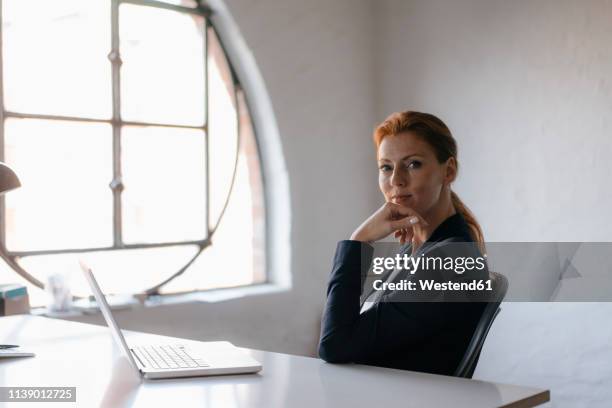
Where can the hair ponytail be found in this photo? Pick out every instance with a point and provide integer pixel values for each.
(470, 219)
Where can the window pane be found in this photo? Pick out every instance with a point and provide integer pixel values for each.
(218, 266)
(165, 185)
(222, 125)
(54, 56)
(162, 76)
(242, 228)
(64, 201)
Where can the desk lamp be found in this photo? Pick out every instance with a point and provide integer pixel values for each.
(8, 179)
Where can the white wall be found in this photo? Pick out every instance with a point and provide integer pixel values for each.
(526, 88)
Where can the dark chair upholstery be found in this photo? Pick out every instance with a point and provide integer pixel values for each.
(467, 365)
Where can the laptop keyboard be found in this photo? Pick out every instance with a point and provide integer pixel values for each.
(167, 357)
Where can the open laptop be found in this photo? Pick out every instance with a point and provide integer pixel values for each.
(155, 361)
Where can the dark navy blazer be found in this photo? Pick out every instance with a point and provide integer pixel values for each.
(421, 336)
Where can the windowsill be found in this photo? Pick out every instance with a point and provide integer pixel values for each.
(215, 295)
(206, 296)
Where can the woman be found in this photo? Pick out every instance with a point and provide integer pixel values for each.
(417, 160)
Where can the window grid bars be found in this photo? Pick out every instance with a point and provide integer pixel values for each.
(116, 185)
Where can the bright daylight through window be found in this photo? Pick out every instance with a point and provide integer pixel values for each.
(134, 145)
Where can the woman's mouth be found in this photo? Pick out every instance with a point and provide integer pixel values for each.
(401, 198)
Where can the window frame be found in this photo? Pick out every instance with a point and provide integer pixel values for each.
(117, 123)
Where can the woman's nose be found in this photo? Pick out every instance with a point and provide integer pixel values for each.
(398, 178)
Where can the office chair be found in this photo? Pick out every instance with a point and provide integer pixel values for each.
(467, 365)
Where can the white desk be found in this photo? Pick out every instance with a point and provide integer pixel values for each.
(84, 356)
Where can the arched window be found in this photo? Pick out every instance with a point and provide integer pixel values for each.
(131, 136)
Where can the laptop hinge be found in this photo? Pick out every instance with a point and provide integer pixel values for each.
(138, 358)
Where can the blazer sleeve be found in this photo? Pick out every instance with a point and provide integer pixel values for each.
(347, 335)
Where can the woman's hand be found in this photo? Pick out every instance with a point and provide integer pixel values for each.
(404, 221)
(404, 235)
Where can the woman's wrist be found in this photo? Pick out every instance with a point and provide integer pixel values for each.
(359, 236)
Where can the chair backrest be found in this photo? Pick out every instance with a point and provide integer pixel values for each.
(499, 285)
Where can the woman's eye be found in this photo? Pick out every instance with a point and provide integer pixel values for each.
(385, 167)
(415, 164)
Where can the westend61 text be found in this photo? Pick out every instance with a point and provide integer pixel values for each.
(430, 284)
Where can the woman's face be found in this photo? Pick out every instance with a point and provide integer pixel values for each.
(410, 174)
